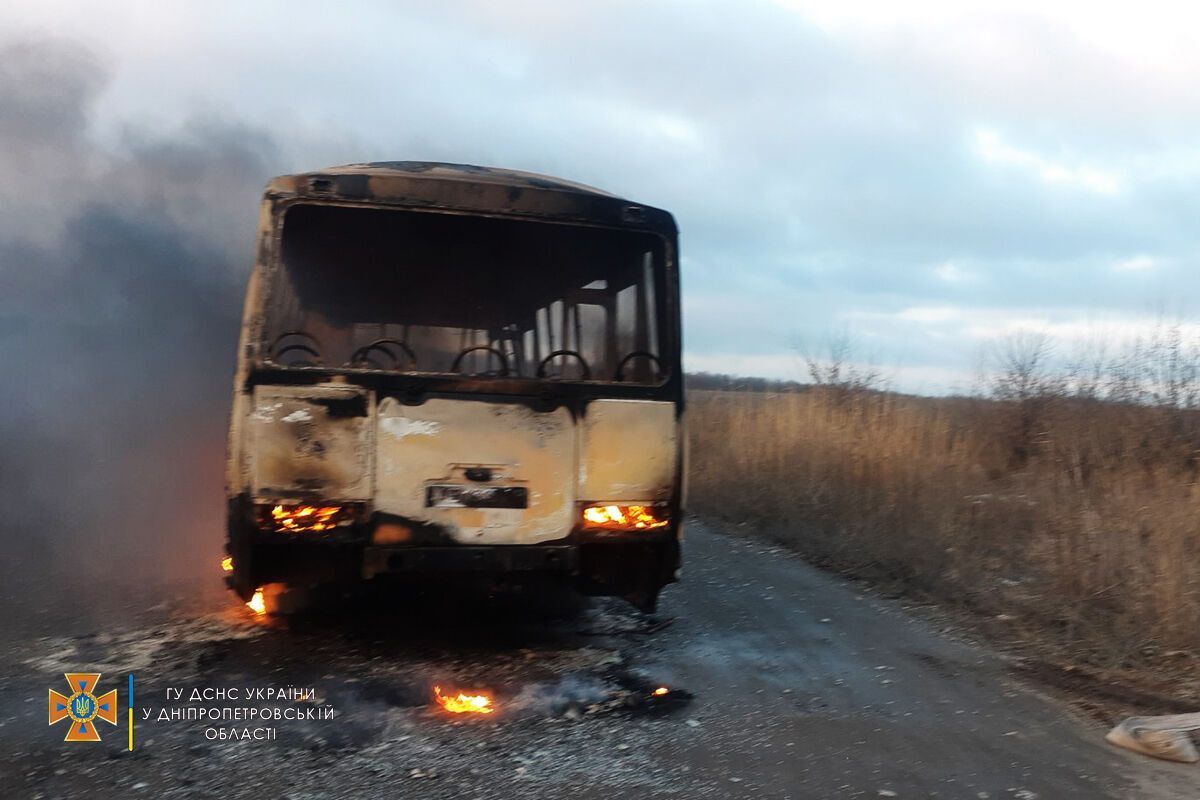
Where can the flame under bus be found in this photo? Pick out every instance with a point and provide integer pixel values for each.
(457, 371)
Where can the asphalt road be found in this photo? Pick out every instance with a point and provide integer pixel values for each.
(800, 687)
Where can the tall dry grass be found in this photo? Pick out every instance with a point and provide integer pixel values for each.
(1074, 517)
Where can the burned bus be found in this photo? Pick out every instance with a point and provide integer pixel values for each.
(454, 372)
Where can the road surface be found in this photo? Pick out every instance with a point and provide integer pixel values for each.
(800, 687)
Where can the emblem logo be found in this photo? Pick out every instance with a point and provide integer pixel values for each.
(82, 707)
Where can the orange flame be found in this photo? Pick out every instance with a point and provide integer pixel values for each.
(303, 519)
(624, 517)
(257, 604)
(464, 703)
(227, 564)
(660, 691)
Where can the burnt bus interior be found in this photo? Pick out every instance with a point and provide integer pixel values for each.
(424, 292)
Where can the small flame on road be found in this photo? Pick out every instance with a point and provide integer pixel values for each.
(257, 604)
(463, 703)
(227, 564)
(660, 691)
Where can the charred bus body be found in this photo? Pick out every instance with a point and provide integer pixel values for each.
(449, 371)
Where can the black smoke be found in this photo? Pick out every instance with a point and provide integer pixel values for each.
(123, 257)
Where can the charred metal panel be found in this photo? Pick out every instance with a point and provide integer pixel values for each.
(252, 319)
(310, 441)
(464, 187)
(448, 442)
(629, 451)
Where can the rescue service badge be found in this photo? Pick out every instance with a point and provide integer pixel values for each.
(82, 707)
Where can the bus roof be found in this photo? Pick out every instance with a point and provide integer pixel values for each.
(464, 187)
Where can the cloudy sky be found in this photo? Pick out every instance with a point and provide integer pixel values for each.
(926, 180)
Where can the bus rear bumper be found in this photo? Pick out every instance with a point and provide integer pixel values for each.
(495, 558)
(634, 570)
(631, 565)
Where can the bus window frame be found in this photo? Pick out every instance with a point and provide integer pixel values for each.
(270, 263)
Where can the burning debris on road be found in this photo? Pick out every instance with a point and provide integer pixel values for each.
(606, 687)
(634, 695)
(463, 703)
(607, 691)
(571, 698)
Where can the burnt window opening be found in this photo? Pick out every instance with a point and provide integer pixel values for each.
(420, 292)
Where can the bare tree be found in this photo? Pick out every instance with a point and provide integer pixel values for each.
(1171, 365)
(1022, 363)
(1088, 372)
(1023, 378)
(832, 364)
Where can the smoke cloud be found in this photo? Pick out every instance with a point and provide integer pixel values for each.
(122, 263)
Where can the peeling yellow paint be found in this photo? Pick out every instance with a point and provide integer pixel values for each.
(628, 451)
(442, 437)
(299, 448)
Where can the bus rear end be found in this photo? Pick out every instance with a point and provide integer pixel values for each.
(458, 391)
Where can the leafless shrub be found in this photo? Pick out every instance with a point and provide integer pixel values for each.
(838, 372)
(1087, 372)
(1161, 369)
(1023, 361)
(1026, 386)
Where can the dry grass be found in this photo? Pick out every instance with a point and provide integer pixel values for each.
(1075, 519)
